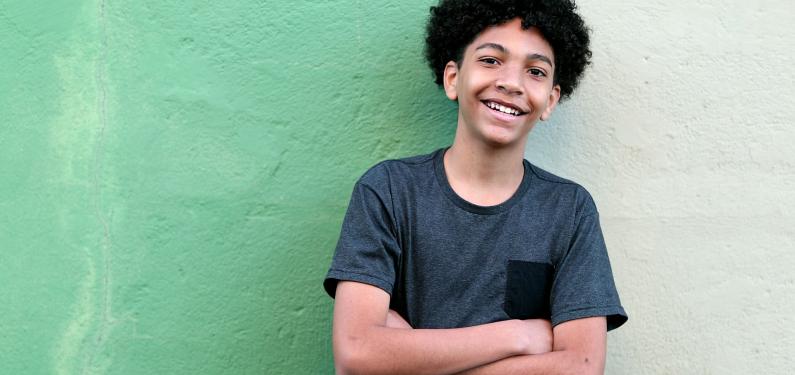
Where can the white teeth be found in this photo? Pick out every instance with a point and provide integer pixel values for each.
(502, 108)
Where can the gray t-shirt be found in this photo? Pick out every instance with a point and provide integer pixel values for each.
(449, 263)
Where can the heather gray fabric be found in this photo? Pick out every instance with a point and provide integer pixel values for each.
(449, 263)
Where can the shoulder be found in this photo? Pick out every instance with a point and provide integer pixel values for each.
(562, 189)
(397, 171)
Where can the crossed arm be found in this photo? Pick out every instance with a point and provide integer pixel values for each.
(369, 339)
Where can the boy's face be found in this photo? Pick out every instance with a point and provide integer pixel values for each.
(505, 69)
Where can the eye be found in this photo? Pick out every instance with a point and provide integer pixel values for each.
(537, 72)
(489, 61)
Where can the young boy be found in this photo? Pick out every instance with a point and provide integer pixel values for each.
(471, 259)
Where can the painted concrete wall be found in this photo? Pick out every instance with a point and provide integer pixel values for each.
(173, 176)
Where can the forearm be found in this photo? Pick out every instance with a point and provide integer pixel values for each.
(580, 347)
(557, 363)
(383, 350)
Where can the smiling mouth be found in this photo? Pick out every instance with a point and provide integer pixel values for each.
(507, 109)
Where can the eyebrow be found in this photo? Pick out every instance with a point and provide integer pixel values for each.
(531, 56)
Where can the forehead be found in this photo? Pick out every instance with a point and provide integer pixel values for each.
(515, 39)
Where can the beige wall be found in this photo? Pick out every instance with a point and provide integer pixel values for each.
(683, 132)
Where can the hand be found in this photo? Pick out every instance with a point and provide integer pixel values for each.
(394, 320)
(536, 336)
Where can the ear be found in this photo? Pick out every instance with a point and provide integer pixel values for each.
(554, 98)
(450, 79)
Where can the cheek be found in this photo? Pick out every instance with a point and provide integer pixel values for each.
(541, 97)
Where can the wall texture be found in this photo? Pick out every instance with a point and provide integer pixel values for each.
(173, 176)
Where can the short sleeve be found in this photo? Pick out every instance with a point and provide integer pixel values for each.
(367, 250)
(583, 283)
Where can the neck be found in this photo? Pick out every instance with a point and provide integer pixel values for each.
(484, 164)
(481, 173)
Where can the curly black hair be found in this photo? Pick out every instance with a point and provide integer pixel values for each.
(454, 24)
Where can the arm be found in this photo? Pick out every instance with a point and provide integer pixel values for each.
(579, 348)
(582, 276)
(365, 344)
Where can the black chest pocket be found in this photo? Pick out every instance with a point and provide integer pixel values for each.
(527, 289)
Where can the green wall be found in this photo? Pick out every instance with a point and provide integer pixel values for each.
(173, 175)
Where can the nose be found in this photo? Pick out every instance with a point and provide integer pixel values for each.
(509, 82)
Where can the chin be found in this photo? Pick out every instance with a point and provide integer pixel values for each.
(500, 142)
(501, 139)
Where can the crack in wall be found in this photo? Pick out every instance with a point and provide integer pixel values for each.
(77, 327)
(100, 77)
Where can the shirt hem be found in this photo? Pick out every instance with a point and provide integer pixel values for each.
(616, 316)
(334, 276)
